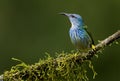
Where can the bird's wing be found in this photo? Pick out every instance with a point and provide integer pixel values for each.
(90, 35)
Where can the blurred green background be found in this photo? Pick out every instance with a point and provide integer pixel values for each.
(29, 28)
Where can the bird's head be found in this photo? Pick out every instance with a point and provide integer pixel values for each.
(75, 19)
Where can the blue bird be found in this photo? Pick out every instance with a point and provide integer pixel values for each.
(79, 35)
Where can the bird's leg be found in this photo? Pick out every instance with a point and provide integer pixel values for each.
(93, 47)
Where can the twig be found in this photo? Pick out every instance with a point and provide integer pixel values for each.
(1, 77)
(104, 43)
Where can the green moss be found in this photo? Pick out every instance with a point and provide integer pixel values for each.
(65, 67)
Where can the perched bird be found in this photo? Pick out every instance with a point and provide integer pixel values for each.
(79, 35)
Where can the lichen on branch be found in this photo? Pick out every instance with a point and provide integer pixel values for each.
(65, 67)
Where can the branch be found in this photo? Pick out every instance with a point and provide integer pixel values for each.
(104, 43)
(1, 77)
(64, 67)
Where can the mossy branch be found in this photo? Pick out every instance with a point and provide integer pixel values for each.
(67, 67)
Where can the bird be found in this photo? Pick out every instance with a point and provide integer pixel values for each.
(78, 33)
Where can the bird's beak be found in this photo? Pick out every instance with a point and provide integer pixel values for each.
(62, 13)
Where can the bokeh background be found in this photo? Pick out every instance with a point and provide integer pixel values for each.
(29, 28)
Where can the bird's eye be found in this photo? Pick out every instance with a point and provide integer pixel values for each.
(72, 16)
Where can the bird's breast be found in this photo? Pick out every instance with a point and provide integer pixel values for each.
(79, 38)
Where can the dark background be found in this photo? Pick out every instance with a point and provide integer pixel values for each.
(29, 28)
